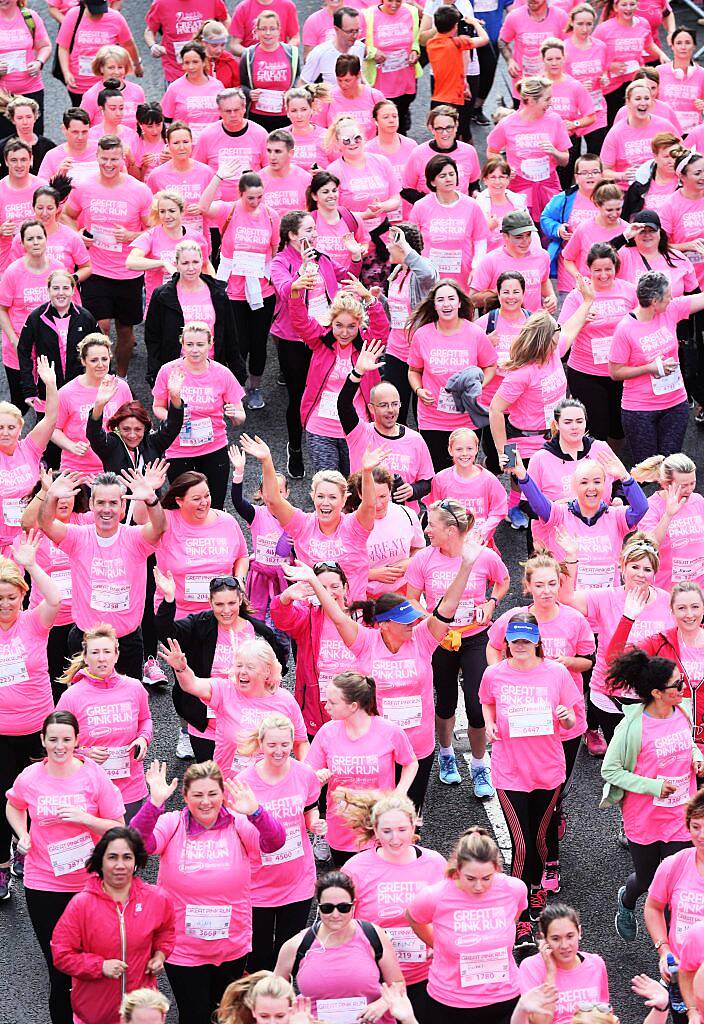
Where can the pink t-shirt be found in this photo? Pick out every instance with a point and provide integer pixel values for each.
(197, 307)
(473, 938)
(392, 35)
(193, 104)
(266, 532)
(583, 212)
(113, 713)
(331, 239)
(463, 153)
(528, 754)
(438, 357)
(21, 291)
(665, 753)
(333, 658)
(590, 349)
(502, 337)
(587, 65)
(55, 861)
(450, 234)
(15, 206)
(288, 875)
(626, 147)
(205, 395)
(532, 392)
(83, 166)
(107, 29)
(399, 300)
(308, 148)
(681, 274)
(360, 108)
(604, 611)
(347, 546)
(288, 192)
(692, 951)
(19, 47)
(75, 402)
(245, 150)
(157, 245)
(680, 91)
(25, 690)
(383, 891)
(431, 573)
(523, 141)
(683, 219)
(250, 240)
(527, 35)
(534, 266)
(178, 25)
(554, 476)
(110, 578)
(189, 185)
(245, 15)
(587, 982)
(585, 235)
(637, 342)
(318, 28)
(196, 553)
(571, 100)
(598, 545)
(226, 647)
(57, 564)
(237, 716)
(658, 109)
(207, 874)
(324, 419)
(132, 94)
(404, 682)
(367, 762)
(271, 72)
(18, 474)
(100, 209)
(391, 541)
(398, 161)
(682, 549)
(624, 44)
(482, 495)
(678, 885)
(64, 247)
(408, 454)
(359, 186)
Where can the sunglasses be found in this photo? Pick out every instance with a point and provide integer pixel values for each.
(341, 908)
(350, 141)
(679, 686)
(447, 507)
(218, 582)
(586, 1007)
(321, 566)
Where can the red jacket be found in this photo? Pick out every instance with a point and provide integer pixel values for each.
(90, 931)
(304, 623)
(226, 69)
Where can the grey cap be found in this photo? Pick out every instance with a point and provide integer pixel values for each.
(517, 223)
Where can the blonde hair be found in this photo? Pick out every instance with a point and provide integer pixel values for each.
(686, 587)
(184, 245)
(267, 14)
(588, 465)
(462, 432)
(329, 476)
(534, 343)
(474, 844)
(308, 92)
(118, 54)
(640, 83)
(640, 545)
(8, 409)
(252, 743)
(78, 661)
(11, 573)
(173, 197)
(332, 135)
(541, 559)
(346, 302)
(362, 808)
(20, 101)
(594, 1016)
(533, 87)
(60, 272)
(210, 24)
(240, 997)
(195, 327)
(552, 43)
(204, 770)
(261, 650)
(97, 339)
(579, 9)
(142, 998)
(662, 468)
(453, 514)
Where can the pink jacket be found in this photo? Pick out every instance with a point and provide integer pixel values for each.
(304, 623)
(320, 340)
(284, 271)
(91, 931)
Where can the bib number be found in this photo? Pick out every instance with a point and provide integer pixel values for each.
(679, 797)
(487, 968)
(197, 587)
(291, 850)
(530, 721)
(69, 855)
(208, 923)
(196, 432)
(406, 712)
(666, 385)
(446, 261)
(12, 509)
(409, 948)
(117, 765)
(327, 408)
(536, 168)
(12, 673)
(110, 597)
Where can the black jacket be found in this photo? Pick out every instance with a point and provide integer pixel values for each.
(198, 636)
(164, 323)
(111, 449)
(38, 338)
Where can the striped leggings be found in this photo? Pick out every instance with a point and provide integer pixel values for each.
(528, 817)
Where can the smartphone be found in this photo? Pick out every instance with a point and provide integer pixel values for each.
(307, 250)
(395, 235)
(510, 451)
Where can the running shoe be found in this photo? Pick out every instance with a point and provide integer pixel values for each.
(184, 750)
(255, 399)
(152, 674)
(625, 922)
(294, 466)
(5, 883)
(517, 518)
(481, 781)
(561, 824)
(321, 848)
(17, 866)
(524, 935)
(537, 902)
(551, 876)
(595, 743)
(448, 771)
(479, 117)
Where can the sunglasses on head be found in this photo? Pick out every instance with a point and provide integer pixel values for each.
(447, 507)
(341, 908)
(322, 566)
(587, 1007)
(218, 582)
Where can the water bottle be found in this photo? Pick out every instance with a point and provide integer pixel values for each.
(677, 1003)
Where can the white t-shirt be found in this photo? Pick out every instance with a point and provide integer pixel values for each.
(471, 61)
(322, 59)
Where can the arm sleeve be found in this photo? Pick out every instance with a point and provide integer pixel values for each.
(541, 505)
(66, 949)
(25, 349)
(345, 405)
(169, 429)
(97, 438)
(551, 218)
(243, 507)
(145, 821)
(637, 502)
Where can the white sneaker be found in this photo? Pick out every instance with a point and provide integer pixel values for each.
(184, 750)
(321, 848)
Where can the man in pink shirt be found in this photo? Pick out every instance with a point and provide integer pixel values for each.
(245, 15)
(76, 156)
(233, 140)
(178, 24)
(527, 27)
(16, 191)
(113, 209)
(285, 183)
(108, 559)
(516, 253)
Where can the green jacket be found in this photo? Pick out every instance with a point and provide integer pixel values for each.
(622, 754)
(370, 66)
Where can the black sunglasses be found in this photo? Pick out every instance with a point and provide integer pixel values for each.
(679, 686)
(342, 908)
(447, 507)
(231, 582)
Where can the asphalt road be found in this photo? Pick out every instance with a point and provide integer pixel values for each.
(593, 864)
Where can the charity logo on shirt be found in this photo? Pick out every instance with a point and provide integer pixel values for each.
(204, 853)
(49, 805)
(100, 717)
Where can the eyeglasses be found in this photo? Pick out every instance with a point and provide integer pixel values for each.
(602, 1007)
(387, 405)
(351, 141)
(444, 129)
(350, 31)
(218, 582)
(341, 908)
(679, 686)
(447, 507)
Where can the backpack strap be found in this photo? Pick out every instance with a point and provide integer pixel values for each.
(372, 937)
(29, 21)
(491, 322)
(226, 225)
(370, 934)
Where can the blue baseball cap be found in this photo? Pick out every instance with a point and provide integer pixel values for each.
(523, 631)
(404, 613)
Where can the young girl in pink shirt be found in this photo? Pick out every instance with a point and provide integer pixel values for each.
(608, 199)
(283, 883)
(628, 41)
(470, 921)
(476, 489)
(650, 770)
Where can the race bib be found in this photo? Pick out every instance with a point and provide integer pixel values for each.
(679, 797)
(270, 101)
(446, 261)
(484, 6)
(196, 432)
(208, 923)
(597, 98)
(409, 948)
(240, 762)
(177, 49)
(340, 1011)
(291, 850)
(399, 315)
(105, 239)
(549, 414)
(13, 672)
(64, 581)
(396, 60)
(69, 855)
(14, 60)
(110, 597)
(12, 510)
(117, 765)
(487, 968)
(465, 612)
(265, 551)
(592, 577)
(600, 350)
(535, 720)
(248, 264)
(85, 61)
(666, 385)
(536, 168)
(327, 408)
(197, 587)
(318, 308)
(324, 680)
(686, 568)
(446, 403)
(405, 712)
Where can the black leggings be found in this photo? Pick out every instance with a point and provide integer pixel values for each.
(436, 441)
(340, 857)
(403, 105)
(571, 749)
(271, 927)
(607, 722)
(216, 466)
(594, 141)
(395, 372)
(253, 331)
(469, 662)
(602, 399)
(419, 787)
(494, 1013)
(614, 101)
(13, 382)
(418, 995)
(16, 752)
(203, 750)
(481, 84)
(646, 860)
(294, 361)
(45, 909)
(528, 817)
(198, 990)
(57, 654)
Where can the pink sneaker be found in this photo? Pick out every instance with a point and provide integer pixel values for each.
(595, 743)
(551, 876)
(152, 673)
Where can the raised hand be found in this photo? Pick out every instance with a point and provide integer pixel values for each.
(46, 372)
(107, 389)
(165, 584)
(651, 991)
(255, 447)
(299, 573)
(353, 284)
(635, 601)
(540, 1000)
(301, 1011)
(399, 1004)
(25, 553)
(374, 457)
(370, 357)
(175, 383)
(138, 484)
(155, 473)
(674, 499)
(612, 465)
(568, 543)
(240, 797)
(238, 461)
(159, 789)
(65, 485)
(173, 655)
